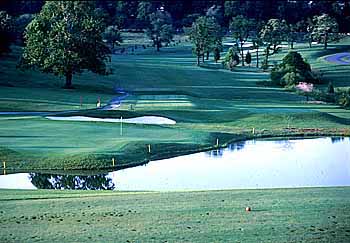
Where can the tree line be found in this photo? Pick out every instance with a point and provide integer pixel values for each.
(206, 35)
(67, 37)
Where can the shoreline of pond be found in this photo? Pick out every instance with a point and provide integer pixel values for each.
(289, 133)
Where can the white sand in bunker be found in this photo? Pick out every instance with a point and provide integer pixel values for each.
(155, 120)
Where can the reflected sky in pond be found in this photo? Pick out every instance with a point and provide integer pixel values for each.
(251, 164)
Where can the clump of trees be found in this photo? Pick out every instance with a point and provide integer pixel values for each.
(272, 34)
(65, 38)
(160, 29)
(325, 29)
(292, 70)
(6, 32)
(205, 34)
(241, 28)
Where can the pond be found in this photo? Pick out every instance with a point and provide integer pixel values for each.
(316, 162)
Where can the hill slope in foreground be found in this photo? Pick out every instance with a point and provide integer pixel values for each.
(278, 215)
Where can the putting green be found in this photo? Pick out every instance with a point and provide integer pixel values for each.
(339, 58)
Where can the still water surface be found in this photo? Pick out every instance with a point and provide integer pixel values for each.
(252, 164)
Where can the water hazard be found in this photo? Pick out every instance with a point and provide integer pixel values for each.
(315, 162)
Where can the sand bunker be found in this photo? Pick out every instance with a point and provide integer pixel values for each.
(154, 120)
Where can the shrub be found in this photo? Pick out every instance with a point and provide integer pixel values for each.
(293, 70)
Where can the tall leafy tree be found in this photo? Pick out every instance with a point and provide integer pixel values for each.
(65, 38)
(205, 34)
(292, 34)
(125, 13)
(199, 36)
(160, 29)
(6, 32)
(240, 28)
(325, 29)
(257, 43)
(214, 35)
(144, 9)
(273, 33)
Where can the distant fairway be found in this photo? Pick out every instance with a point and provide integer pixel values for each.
(207, 104)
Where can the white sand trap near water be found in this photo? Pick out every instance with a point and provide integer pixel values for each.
(154, 120)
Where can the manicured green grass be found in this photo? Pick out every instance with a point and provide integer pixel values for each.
(206, 103)
(278, 215)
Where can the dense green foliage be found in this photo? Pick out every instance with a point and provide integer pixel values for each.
(325, 29)
(125, 12)
(231, 58)
(6, 32)
(205, 35)
(273, 33)
(160, 29)
(240, 28)
(65, 38)
(292, 70)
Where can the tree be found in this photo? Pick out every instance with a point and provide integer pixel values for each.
(199, 36)
(65, 38)
(160, 29)
(240, 28)
(273, 33)
(6, 32)
(248, 58)
(325, 29)
(112, 35)
(231, 58)
(292, 70)
(144, 10)
(292, 34)
(257, 42)
(214, 35)
(125, 14)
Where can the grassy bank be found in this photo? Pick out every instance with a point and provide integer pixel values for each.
(278, 215)
(207, 104)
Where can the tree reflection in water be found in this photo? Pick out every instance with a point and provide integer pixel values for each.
(77, 182)
(232, 147)
(337, 139)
